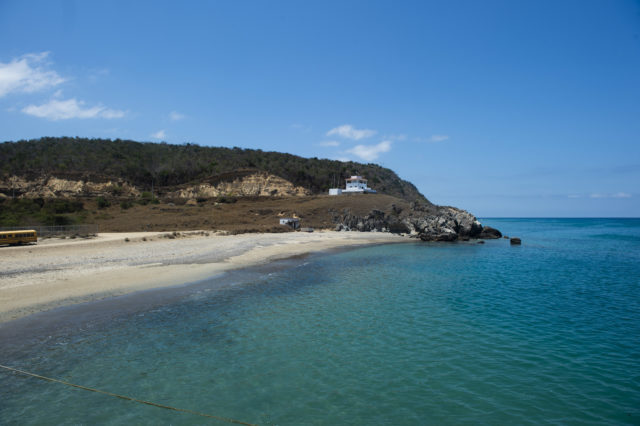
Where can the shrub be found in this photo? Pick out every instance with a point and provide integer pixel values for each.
(115, 190)
(147, 197)
(63, 206)
(126, 205)
(226, 199)
(103, 202)
(56, 220)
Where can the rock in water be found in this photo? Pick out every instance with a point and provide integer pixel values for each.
(515, 241)
(437, 235)
(489, 233)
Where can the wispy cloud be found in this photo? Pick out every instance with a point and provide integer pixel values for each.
(329, 143)
(370, 152)
(349, 132)
(605, 195)
(621, 195)
(71, 108)
(438, 138)
(176, 116)
(28, 73)
(160, 134)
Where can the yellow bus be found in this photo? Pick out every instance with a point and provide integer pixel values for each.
(18, 237)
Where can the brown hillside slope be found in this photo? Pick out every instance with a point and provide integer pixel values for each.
(256, 214)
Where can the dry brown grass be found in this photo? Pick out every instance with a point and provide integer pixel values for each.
(246, 215)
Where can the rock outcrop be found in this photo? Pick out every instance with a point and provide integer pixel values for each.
(489, 233)
(426, 222)
(51, 187)
(252, 185)
(442, 224)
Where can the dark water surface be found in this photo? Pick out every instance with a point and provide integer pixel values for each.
(546, 332)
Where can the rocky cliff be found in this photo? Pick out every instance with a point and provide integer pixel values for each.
(427, 222)
(242, 185)
(252, 185)
(52, 187)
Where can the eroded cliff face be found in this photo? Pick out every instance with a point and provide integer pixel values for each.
(50, 187)
(253, 185)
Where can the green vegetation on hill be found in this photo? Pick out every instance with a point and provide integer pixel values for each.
(53, 212)
(169, 165)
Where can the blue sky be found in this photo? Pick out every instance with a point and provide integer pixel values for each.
(502, 108)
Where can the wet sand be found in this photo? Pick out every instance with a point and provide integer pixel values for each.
(56, 273)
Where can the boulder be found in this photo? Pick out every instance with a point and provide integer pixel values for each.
(515, 241)
(489, 233)
(433, 235)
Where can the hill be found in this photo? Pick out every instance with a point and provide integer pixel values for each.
(132, 186)
(161, 166)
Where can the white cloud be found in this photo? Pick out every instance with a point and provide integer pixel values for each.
(438, 138)
(329, 143)
(621, 195)
(160, 134)
(176, 116)
(370, 152)
(71, 108)
(350, 132)
(27, 74)
(616, 195)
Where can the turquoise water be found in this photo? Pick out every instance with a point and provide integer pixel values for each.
(546, 332)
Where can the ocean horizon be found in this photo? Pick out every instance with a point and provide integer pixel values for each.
(415, 333)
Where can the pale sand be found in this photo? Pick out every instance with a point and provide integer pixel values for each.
(57, 272)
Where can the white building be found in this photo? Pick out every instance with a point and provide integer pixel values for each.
(293, 222)
(358, 184)
(355, 184)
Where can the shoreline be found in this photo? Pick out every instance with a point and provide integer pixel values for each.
(57, 273)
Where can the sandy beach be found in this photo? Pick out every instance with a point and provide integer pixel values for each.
(60, 272)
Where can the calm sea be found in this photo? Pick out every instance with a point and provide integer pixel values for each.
(546, 332)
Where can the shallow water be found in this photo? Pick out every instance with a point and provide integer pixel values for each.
(546, 332)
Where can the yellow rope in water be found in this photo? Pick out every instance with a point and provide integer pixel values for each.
(168, 407)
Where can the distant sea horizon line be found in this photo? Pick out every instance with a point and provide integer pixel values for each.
(558, 217)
